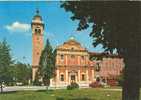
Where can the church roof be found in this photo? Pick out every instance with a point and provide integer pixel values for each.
(37, 19)
(104, 54)
(37, 16)
(71, 44)
(72, 41)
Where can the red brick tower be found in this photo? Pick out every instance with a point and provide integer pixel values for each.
(37, 26)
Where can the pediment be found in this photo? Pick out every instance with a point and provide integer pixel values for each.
(71, 45)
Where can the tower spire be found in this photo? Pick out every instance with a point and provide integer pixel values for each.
(37, 11)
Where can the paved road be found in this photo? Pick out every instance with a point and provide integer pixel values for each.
(112, 89)
(22, 88)
(35, 88)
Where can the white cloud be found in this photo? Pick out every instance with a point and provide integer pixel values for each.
(18, 27)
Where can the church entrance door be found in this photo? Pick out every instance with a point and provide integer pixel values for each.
(73, 78)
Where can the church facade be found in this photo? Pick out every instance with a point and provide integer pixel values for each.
(73, 65)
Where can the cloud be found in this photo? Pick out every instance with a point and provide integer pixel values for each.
(18, 27)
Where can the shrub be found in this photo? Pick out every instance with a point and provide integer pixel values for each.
(72, 86)
(69, 87)
(95, 84)
(112, 82)
(120, 80)
(37, 83)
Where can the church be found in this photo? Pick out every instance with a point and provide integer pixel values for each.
(73, 65)
(73, 61)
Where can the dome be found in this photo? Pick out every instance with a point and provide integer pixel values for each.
(72, 38)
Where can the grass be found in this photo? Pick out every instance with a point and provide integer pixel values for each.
(93, 94)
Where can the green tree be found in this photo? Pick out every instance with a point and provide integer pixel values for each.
(47, 64)
(5, 62)
(21, 73)
(115, 25)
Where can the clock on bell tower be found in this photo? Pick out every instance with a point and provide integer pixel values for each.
(37, 26)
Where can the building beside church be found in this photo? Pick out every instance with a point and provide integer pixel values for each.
(107, 66)
(73, 62)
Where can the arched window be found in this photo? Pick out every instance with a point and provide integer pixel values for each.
(72, 48)
(97, 67)
(62, 57)
(98, 79)
(62, 77)
(83, 77)
(37, 30)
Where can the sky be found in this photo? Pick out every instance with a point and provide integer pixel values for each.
(15, 27)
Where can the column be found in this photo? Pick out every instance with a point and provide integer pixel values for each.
(92, 74)
(69, 78)
(66, 60)
(66, 76)
(57, 77)
(57, 59)
(87, 78)
(79, 75)
(79, 58)
(51, 82)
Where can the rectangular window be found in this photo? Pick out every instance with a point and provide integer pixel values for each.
(62, 77)
(82, 57)
(72, 56)
(62, 57)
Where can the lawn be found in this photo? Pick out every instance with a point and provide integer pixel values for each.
(92, 94)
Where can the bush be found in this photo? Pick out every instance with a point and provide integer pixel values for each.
(37, 83)
(72, 86)
(69, 87)
(112, 82)
(120, 80)
(95, 84)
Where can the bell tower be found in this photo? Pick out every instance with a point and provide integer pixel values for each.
(37, 26)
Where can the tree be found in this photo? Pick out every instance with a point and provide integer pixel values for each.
(5, 62)
(21, 73)
(114, 25)
(47, 64)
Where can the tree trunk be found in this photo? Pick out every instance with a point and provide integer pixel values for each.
(1, 87)
(47, 83)
(131, 82)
